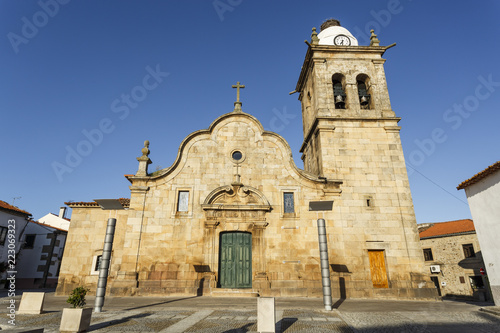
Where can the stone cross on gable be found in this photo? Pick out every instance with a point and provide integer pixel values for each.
(237, 104)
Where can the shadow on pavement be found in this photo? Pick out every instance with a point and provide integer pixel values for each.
(117, 321)
(50, 311)
(242, 329)
(285, 323)
(160, 303)
(467, 301)
(489, 317)
(343, 293)
(337, 304)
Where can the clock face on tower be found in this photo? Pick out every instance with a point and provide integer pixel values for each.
(342, 40)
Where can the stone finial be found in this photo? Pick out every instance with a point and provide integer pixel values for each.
(314, 37)
(144, 160)
(373, 39)
(145, 150)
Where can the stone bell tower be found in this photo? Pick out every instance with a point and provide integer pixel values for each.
(351, 134)
(345, 103)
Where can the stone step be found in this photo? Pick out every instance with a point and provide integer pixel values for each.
(225, 292)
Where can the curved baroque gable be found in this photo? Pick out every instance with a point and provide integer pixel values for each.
(212, 133)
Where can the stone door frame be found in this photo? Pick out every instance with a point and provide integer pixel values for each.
(231, 208)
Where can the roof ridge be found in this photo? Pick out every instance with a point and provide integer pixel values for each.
(448, 228)
(124, 201)
(453, 221)
(48, 225)
(480, 175)
(7, 206)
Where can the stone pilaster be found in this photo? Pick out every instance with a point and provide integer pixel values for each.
(126, 280)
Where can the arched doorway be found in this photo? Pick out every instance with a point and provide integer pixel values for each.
(235, 260)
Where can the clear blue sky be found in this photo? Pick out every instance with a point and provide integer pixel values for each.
(65, 68)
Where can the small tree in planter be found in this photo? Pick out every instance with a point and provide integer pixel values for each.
(76, 319)
(77, 297)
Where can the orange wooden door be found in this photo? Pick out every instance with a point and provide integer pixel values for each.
(377, 268)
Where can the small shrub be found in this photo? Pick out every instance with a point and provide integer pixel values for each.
(77, 297)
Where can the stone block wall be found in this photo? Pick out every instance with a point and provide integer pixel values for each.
(160, 251)
(455, 268)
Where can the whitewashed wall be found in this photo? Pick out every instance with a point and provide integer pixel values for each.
(484, 203)
(55, 221)
(20, 225)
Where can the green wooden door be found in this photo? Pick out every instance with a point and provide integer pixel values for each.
(235, 260)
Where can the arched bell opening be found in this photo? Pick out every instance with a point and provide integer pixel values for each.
(364, 91)
(339, 95)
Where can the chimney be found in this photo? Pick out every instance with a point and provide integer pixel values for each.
(62, 211)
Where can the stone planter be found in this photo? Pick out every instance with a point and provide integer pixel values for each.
(75, 320)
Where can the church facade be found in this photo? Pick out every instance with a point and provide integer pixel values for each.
(232, 215)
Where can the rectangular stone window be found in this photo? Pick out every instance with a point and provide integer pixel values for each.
(183, 201)
(428, 255)
(3, 235)
(29, 241)
(469, 251)
(97, 264)
(369, 202)
(288, 203)
(462, 279)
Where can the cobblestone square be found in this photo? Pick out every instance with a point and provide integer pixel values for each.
(293, 315)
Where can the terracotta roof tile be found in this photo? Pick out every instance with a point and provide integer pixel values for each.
(128, 177)
(6, 206)
(448, 228)
(477, 177)
(124, 201)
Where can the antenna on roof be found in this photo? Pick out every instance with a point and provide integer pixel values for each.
(14, 200)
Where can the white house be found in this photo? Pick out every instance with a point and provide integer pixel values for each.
(57, 221)
(483, 195)
(13, 222)
(41, 256)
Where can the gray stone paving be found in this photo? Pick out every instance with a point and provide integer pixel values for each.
(209, 321)
(313, 321)
(122, 321)
(421, 322)
(212, 315)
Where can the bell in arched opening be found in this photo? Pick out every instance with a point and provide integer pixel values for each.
(364, 96)
(339, 95)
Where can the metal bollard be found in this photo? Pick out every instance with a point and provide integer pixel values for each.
(104, 267)
(325, 267)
